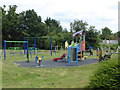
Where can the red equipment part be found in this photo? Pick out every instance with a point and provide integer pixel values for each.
(55, 59)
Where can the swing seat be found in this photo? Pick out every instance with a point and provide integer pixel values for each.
(12, 53)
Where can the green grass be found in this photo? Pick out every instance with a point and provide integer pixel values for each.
(45, 53)
(21, 77)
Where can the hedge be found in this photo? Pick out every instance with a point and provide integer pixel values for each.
(107, 76)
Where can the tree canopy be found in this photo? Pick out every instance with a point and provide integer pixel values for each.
(92, 37)
(78, 25)
(16, 26)
(106, 32)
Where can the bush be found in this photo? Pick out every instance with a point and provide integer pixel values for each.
(107, 76)
(114, 47)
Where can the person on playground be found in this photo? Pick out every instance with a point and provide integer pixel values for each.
(107, 55)
(91, 52)
(100, 54)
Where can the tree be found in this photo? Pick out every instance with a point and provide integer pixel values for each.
(78, 25)
(26, 23)
(32, 24)
(53, 25)
(92, 37)
(106, 32)
(118, 37)
(60, 39)
(65, 30)
(71, 27)
(9, 22)
(115, 36)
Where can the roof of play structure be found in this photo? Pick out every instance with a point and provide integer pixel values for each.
(82, 32)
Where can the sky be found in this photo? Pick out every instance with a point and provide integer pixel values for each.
(98, 13)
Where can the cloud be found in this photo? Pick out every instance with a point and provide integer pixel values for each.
(100, 13)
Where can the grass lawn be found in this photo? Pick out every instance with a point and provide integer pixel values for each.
(21, 77)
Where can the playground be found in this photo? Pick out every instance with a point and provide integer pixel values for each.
(74, 56)
(67, 68)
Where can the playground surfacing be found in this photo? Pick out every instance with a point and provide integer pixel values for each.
(53, 64)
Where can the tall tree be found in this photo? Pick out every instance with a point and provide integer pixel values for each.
(92, 37)
(53, 25)
(9, 22)
(115, 36)
(71, 27)
(65, 30)
(32, 24)
(78, 25)
(106, 32)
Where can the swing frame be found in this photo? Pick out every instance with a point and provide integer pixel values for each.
(35, 42)
(5, 43)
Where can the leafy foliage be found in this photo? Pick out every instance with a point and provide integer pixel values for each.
(9, 22)
(107, 76)
(106, 32)
(92, 37)
(118, 37)
(16, 26)
(53, 25)
(78, 25)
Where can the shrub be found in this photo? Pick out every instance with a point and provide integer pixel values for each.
(114, 47)
(107, 76)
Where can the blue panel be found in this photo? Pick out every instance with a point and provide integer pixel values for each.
(70, 55)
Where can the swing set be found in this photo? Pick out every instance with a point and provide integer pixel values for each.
(16, 48)
(35, 41)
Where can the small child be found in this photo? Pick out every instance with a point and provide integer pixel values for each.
(91, 52)
(100, 54)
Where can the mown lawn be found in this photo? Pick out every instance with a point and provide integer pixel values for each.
(21, 77)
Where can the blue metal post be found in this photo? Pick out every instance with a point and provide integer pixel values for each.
(69, 55)
(27, 54)
(77, 49)
(4, 49)
(51, 46)
(25, 39)
(35, 44)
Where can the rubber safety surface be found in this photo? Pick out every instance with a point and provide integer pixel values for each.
(53, 64)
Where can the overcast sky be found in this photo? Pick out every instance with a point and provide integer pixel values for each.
(99, 13)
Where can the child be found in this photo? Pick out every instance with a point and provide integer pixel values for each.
(91, 52)
(100, 54)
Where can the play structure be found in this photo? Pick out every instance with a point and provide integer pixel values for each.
(34, 43)
(16, 48)
(75, 50)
